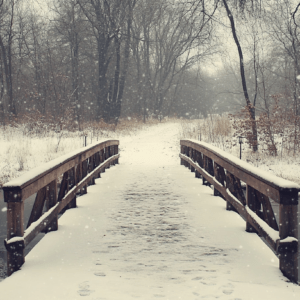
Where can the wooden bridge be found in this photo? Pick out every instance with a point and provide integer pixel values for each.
(58, 183)
(225, 173)
(72, 174)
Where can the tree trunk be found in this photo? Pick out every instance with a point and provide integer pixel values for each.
(125, 68)
(8, 77)
(243, 78)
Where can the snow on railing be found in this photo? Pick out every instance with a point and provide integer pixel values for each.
(225, 172)
(56, 185)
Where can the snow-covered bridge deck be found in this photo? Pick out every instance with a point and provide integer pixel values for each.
(148, 229)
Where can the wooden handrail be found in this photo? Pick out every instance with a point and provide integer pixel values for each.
(225, 172)
(56, 185)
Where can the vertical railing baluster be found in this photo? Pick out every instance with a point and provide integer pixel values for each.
(15, 228)
(72, 183)
(288, 227)
(117, 152)
(84, 168)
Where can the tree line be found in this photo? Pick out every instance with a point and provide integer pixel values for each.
(95, 60)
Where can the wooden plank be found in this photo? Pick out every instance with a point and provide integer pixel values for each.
(38, 206)
(287, 251)
(53, 225)
(257, 229)
(63, 186)
(182, 151)
(240, 209)
(187, 154)
(15, 228)
(16, 194)
(93, 168)
(200, 160)
(210, 166)
(220, 176)
(116, 152)
(90, 169)
(288, 227)
(42, 223)
(278, 194)
(252, 203)
(107, 155)
(112, 152)
(84, 168)
(72, 183)
(234, 185)
(196, 159)
(237, 206)
(268, 213)
(97, 162)
(192, 157)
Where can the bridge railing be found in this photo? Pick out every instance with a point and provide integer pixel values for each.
(56, 185)
(228, 175)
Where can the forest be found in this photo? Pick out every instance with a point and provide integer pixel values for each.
(81, 61)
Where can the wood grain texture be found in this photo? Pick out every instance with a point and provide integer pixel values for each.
(278, 194)
(259, 203)
(33, 185)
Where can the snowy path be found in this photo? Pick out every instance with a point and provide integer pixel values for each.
(149, 230)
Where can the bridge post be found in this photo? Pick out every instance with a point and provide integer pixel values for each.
(102, 158)
(288, 228)
(117, 152)
(72, 183)
(220, 177)
(196, 159)
(193, 158)
(208, 167)
(91, 168)
(251, 202)
(97, 162)
(182, 152)
(84, 170)
(188, 154)
(112, 151)
(15, 229)
(106, 156)
(52, 198)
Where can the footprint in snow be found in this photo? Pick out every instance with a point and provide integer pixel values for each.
(101, 274)
(197, 278)
(227, 292)
(84, 289)
(98, 262)
(228, 289)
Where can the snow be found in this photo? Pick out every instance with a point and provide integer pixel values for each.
(15, 239)
(33, 225)
(272, 233)
(149, 229)
(280, 182)
(288, 239)
(233, 197)
(49, 165)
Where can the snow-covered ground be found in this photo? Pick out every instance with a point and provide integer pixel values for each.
(148, 229)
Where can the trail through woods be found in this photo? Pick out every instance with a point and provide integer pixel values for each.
(148, 229)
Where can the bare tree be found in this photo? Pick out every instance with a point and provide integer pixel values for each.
(71, 26)
(169, 39)
(7, 14)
